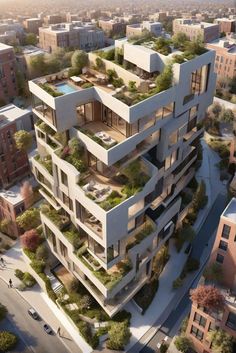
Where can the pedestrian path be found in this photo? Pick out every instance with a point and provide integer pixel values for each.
(47, 309)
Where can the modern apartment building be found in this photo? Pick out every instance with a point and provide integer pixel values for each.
(201, 319)
(194, 30)
(8, 84)
(137, 29)
(112, 168)
(225, 63)
(71, 35)
(14, 164)
(226, 25)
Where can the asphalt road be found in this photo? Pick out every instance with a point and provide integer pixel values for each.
(31, 333)
(172, 324)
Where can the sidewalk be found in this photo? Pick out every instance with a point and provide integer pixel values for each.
(47, 309)
(210, 174)
(144, 327)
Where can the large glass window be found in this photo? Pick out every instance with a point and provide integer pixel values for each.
(200, 319)
(84, 113)
(47, 112)
(173, 138)
(197, 333)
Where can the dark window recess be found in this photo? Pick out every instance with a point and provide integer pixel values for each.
(223, 245)
(219, 258)
(225, 231)
(231, 321)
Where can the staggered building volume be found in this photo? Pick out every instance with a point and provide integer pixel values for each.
(112, 169)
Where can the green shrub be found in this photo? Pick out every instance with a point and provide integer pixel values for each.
(3, 312)
(164, 347)
(42, 252)
(177, 283)
(31, 255)
(146, 294)
(87, 84)
(183, 344)
(85, 330)
(7, 341)
(19, 274)
(192, 264)
(38, 266)
(119, 335)
(28, 280)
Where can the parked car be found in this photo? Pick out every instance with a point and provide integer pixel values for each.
(47, 329)
(33, 314)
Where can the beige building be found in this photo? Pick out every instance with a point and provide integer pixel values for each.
(194, 30)
(225, 62)
(137, 29)
(71, 35)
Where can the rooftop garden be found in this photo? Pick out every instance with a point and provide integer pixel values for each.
(73, 235)
(143, 231)
(73, 153)
(109, 278)
(60, 220)
(45, 161)
(50, 90)
(45, 127)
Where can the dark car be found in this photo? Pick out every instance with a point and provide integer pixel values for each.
(47, 329)
(33, 314)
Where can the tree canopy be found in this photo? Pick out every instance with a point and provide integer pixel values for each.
(23, 140)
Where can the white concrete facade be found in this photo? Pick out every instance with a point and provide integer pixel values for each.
(163, 144)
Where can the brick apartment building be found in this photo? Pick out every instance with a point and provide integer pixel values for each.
(225, 62)
(112, 27)
(32, 25)
(226, 25)
(14, 164)
(207, 31)
(8, 84)
(85, 36)
(202, 320)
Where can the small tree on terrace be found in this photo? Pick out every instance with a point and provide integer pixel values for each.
(216, 109)
(222, 342)
(29, 219)
(179, 39)
(23, 140)
(30, 240)
(79, 60)
(208, 297)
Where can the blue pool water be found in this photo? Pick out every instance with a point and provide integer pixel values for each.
(65, 88)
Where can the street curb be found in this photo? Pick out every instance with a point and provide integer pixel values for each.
(19, 293)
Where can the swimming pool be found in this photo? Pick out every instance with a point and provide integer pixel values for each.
(65, 88)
